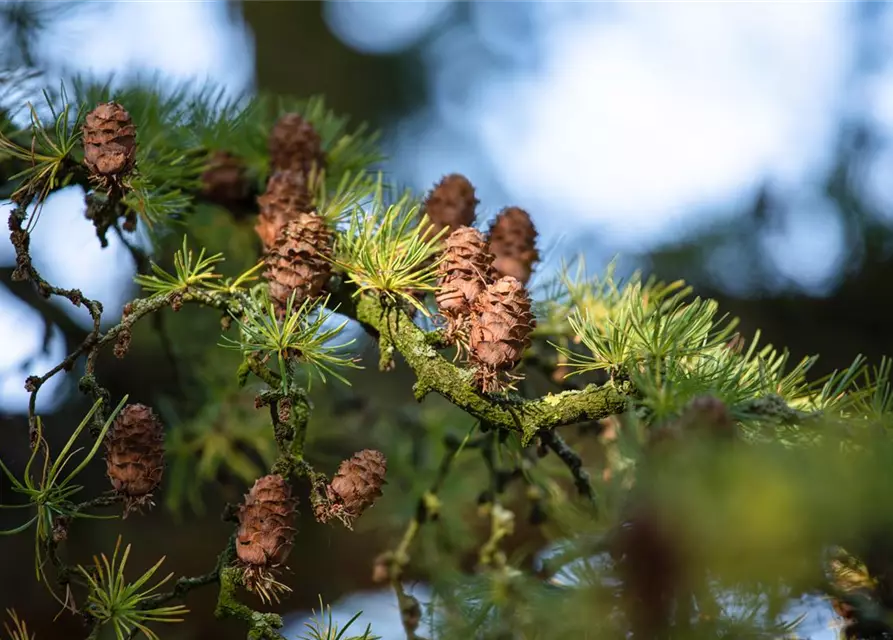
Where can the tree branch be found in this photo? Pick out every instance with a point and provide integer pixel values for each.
(436, 374)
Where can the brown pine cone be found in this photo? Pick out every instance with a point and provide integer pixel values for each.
(451, 204)
(500, 330)
(295, 145)
(357, 485)
(513, 243)
(266, 533)
(463, 275)
(465, 253)
(224, 181)
(299, 262)
(135, 455)
(287, 195)
(109, 140)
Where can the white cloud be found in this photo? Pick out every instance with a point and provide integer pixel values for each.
(640, 116)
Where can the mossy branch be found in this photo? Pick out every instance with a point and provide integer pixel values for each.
(261, 625)
(436, 374)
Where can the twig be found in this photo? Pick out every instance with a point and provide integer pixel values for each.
(25, 271)
(261, 625)
(183, 586)
(570, 458)
(106, 500)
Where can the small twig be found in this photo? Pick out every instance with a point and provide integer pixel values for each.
(569, 457)
(95, 340)
(259, 369)
(261, 625)
(183, 586)
(106, 500)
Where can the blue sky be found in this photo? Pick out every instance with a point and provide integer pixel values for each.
(635, 120)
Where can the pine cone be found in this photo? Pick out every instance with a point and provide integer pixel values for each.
(357, 485)
(513, 243)
(287, 195)
(500, 329)
(266, 533)
(109, 140)
(224, 181)
(463, 275)
(135, 455)
(295, 145)
(451, 204)
(299, 261)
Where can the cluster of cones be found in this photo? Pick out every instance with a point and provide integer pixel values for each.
(298, 243)
(482, 280)
(267, 530)
(135, 465)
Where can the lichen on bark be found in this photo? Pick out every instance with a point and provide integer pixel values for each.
(436, 374)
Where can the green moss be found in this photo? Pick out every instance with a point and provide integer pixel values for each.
(261, 625)
(436, 374)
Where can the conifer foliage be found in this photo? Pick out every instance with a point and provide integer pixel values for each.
(694, 450)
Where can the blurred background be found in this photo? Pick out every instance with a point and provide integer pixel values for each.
(745, 147)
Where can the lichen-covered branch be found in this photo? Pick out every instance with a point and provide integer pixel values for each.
(261, 625)
(290, 416)
(436, 374)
